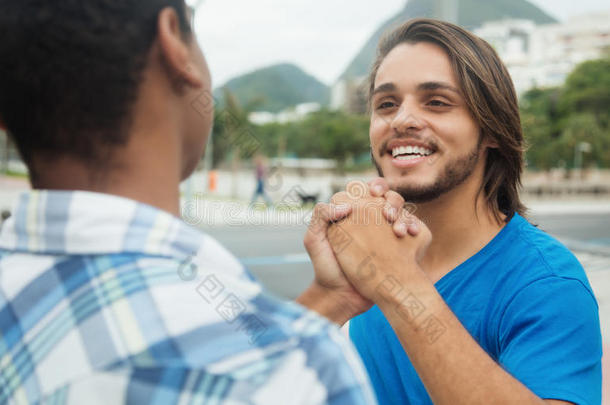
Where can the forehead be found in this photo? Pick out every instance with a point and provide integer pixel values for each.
(410, 64)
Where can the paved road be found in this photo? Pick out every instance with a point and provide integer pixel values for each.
(275, 254)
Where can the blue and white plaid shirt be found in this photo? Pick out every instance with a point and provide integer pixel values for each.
(104, 300)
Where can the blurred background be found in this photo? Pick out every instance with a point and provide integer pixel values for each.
(290, 112)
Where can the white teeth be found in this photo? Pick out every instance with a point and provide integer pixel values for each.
(407, 157)
(410, 150)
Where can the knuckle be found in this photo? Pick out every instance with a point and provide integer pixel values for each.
(410, 207)
(339, 197)
(357, 189)
(319, 209)
(394, 197)
(377, 182)
(403, 216)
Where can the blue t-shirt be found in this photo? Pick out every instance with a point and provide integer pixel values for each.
(526, 300)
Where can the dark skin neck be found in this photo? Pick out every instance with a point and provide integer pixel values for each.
(144, 182)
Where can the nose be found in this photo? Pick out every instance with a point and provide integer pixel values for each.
(405, 119)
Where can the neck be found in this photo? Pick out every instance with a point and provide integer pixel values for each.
(147, 169)
(137, 180)
(459, 229)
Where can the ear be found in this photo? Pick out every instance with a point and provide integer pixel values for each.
(174, 49)
(489, 142)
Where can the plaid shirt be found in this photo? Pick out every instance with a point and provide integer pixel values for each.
(104, 300)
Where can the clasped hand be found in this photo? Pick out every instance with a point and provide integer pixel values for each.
(364, 238)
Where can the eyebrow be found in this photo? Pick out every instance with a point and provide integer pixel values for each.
(437, 86)
(426, 86)
(384, 88)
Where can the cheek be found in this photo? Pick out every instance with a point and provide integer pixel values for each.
(377, 129)
(458, 132)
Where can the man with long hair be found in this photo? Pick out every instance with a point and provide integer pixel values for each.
(481, 307)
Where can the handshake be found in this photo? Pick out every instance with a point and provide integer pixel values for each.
(364, 246)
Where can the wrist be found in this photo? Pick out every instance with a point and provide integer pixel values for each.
(394, 289)
(330, 303)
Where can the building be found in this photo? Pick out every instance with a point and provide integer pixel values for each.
(292, 114)
(544, 55)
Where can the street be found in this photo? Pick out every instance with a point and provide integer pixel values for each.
(275, 254)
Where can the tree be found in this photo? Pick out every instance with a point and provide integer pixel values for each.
(556, 120)
(232, 132)
(584, 128)
(323, 134)
(539, 120)
(587, 89)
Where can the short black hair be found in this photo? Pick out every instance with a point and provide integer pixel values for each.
(70, 71)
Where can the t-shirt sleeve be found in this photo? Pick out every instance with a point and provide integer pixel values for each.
(550, 340)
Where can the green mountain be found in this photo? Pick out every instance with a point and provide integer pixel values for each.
(471, 14)
(276, 87)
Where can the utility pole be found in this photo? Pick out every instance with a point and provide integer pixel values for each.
(579, 148)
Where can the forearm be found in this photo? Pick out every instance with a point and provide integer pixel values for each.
(450, 363)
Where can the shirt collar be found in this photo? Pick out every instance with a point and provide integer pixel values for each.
(83, 222)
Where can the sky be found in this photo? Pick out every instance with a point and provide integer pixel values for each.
(238, 36)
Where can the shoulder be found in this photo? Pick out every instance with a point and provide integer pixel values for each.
(220, 320)
(301, 356)
(274, 349)
(533, 255)
(541, 265)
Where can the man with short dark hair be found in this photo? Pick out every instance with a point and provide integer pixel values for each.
(106, 297)
(481, 307)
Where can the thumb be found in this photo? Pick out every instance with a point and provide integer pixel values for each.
(323, 215)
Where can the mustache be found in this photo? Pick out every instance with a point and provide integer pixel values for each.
(429, 143)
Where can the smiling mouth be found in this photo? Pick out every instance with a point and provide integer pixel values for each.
(410, 152)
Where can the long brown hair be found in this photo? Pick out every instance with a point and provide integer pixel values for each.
(490, 96)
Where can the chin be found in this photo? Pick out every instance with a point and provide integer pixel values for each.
(409, 179)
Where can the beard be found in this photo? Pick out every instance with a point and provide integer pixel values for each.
(453, 174)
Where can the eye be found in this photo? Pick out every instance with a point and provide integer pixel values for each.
(437, 103)
(385, 105)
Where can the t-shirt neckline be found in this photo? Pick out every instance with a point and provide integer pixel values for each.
(485, 250)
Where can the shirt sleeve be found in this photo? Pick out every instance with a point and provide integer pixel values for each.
(323, 369)
(550, 340)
